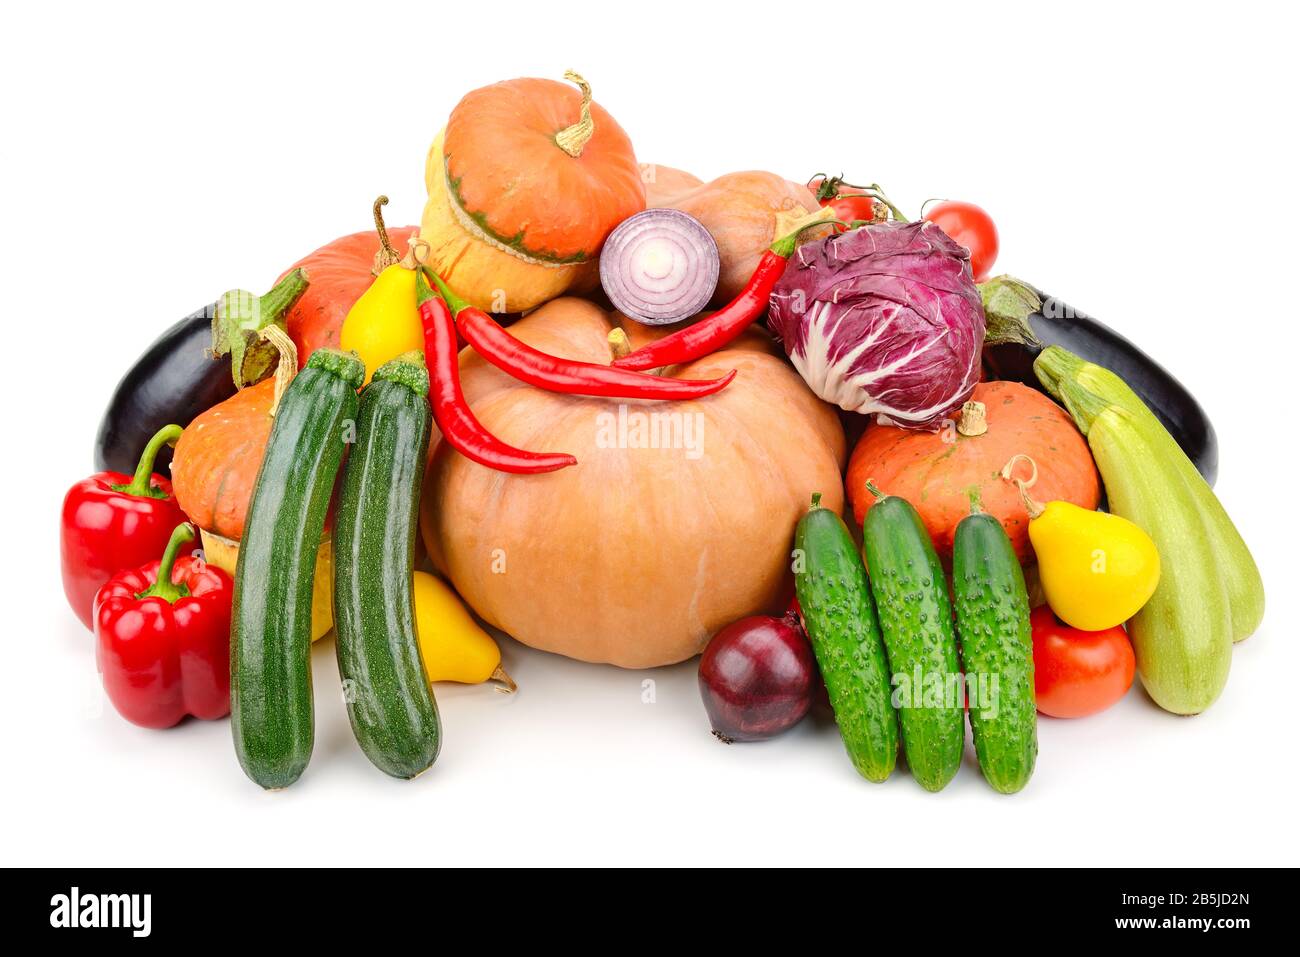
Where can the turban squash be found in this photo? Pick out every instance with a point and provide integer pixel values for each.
(525, 182)
(636, 555)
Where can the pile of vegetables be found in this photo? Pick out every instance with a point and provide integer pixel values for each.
(587, 403)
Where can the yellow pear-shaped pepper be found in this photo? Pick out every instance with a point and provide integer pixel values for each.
(1096, 569)
(452, 644)
(383, 324)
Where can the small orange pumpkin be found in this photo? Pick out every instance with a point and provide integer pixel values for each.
(525, 183)
(214, 470)
(939, 471)
(217, 458)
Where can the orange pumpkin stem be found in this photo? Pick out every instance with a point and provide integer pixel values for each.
(1034, 508)
(287, 367)
(619, 346)
(387, 255)
(573, 138)
(973, 420)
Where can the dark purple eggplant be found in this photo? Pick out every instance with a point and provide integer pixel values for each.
(175, 379)
(185, 372)
(1008, 354)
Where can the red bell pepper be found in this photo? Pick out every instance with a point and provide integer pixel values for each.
(113, 521)
(162, 636)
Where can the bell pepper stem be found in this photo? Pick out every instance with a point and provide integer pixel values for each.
(164, 587)
(141, 485)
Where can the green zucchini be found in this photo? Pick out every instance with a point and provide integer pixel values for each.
(270, 649)
(390, 705)
(1182, 637)
(996, 649)
(841, 621)
(1084, 388)
(911, 596)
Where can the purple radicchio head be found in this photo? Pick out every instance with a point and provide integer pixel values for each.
(883, 319)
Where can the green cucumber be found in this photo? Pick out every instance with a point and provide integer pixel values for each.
(393, 713)
(841, 621)
(270, 649)
(911, 596)
(997, 652)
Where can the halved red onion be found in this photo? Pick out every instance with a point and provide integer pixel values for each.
(659, 266)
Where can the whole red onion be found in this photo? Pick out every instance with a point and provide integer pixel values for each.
(757, 678)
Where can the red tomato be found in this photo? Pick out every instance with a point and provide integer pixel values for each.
(973, 228)
(850, 207)
(1078, 673)
(848, 202)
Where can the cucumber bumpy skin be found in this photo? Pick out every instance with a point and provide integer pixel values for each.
(994, 640)
(840, 618)
(911, 596)
(390, 705)
(270, 649)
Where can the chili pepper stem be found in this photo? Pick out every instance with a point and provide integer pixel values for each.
(141, 484)
(454, 302)
(164, 587)
(787, 244)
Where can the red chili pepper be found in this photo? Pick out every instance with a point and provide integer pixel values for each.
(711, 334)
(163, 638)
(113, 521)
(450, 410)
(523, 362)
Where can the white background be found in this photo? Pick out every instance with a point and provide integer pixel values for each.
(1139, 163)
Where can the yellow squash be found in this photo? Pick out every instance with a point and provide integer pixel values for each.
(452, 644)
(1097, 569)
(384, 323)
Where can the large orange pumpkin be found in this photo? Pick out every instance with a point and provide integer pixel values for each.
(525, 183)
(337, 274)
(745, 212)
(636, 555)
(939, 471)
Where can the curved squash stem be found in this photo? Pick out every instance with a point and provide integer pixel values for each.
(573, 138)
(287, 367)
(1034, 508)
(417, 251)
(387, 255)
(505, 684)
